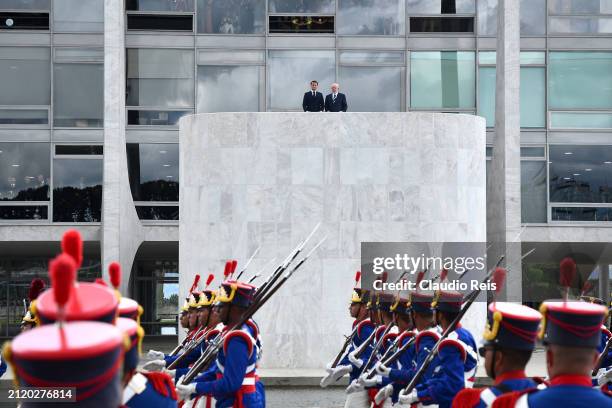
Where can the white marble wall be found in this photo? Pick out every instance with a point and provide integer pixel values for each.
(250, 179)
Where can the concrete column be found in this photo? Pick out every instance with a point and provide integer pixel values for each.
(121, 229)
(504, 202)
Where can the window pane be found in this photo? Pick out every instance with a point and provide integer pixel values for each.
(158, 213)
(25, 4)
(159, 5)
(581, 120)
(26, 76)
(218, 86)
(88, 150)
(290, 73)
(442, 79)
(372, 89)
(533, 16)
(442, 24)
(14, 20)
(78, 15)
(77, 190)
(301, 24)
(154, 171)
(533, 151)
(78, 95)
(302, 6)
(24, 171)
(24, 117)
(581, 214)
(371, 57)
(157, 22)
(231, 16)
(580, 6)
(580, 174)
(533, 191)
(580, 25)
(160, 78)
(155, 117)
(533, 96)
(23, 212)
(486, 94)
(440, 6)
(580, 80)
(383, 17)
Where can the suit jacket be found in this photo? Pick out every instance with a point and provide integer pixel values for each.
(313, 103)
(339, 105)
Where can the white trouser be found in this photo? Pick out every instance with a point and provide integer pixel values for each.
(201, 403)
(358, 400)
(387, 403)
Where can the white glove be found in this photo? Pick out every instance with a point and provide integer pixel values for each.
(155, 355)
(171, 373)
(408, 399)
(155, 365)
(329, 368)
(354, 386)
(357, 362)
(384, 393)
(383, 370)
(370, 382)
(603, 376)
(185, 391)
(337, 373)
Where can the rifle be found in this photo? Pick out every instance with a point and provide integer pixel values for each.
(258, 273)
(347, 342)
(248, 262)
(379, 343)
(602, 356)
(471, 298)
(215, 344)
(195, 342)
(185, 341)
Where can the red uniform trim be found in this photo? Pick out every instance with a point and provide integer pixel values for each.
(583, 380)
(244, 389)
(454, 343)
(363, 324)
(467, 398)
(379, 331)
(426, 333)
(253, 327)
(405, 335)
(510, 375)
(212, 334)
(606, 331)
(238, 333)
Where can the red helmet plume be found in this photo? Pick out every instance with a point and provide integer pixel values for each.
(499, 277)
(209, 280)
(357, 277)
(114, 271)
(194, 285)
(63, 274)
(72, 244)
(228, 269)
(443, 275)
(567, 271)
(36, 287)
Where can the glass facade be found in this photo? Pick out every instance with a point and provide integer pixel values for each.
(24, 172)
(442, 80)
(381, 17)
(231, 17)
(228, 88)
(78, 16)
(76, 95)
(77, 189)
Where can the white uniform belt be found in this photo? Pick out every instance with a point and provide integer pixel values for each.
(248, 381)
(249, 369)
(487, 396)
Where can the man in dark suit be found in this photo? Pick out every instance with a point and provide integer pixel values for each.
(313, 100)
(335, 101)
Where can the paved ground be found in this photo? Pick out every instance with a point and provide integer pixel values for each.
(305, 397)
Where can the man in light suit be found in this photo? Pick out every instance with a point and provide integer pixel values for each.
(335, 101)
(313, 100)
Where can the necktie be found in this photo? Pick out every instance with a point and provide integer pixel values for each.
(334, 98)
(313, 93)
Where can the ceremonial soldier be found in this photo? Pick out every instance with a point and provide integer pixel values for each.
(421, 317)
(29, 319)
(510, 338)
(361, 307)
(233, 380)
(84, 355)
(454, 366)
(384, 337)
(571, 332)
(603, 371)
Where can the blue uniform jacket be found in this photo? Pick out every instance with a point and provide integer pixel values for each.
(455, 363)
(484, 397)
(567, 391)
(364, 330)
(236, 360)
